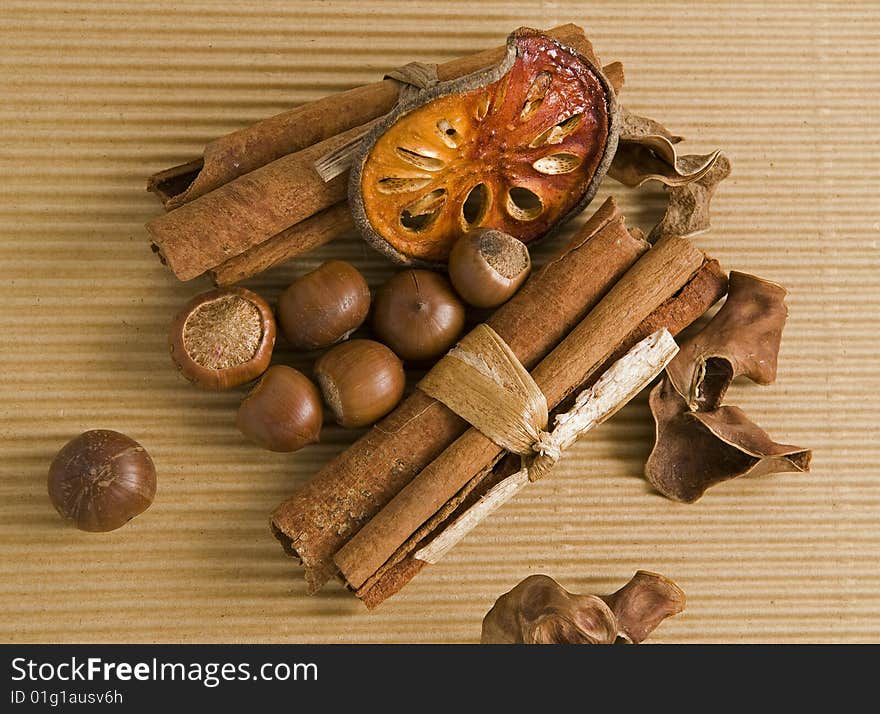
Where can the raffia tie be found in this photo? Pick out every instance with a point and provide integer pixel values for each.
(482, 381)
(414, 78)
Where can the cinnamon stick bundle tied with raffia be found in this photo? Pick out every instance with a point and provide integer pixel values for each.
(705, 288)
(316, 521)
(480, 381)
(364, 514)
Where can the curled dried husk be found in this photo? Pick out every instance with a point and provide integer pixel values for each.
(639, 161)
(643, 603)
(540, 611)
(696, 450)
(646, 150)
(687, 208)
(742, 339)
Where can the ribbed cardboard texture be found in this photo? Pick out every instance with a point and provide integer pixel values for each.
(96, 96)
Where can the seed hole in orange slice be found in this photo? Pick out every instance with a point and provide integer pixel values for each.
(481, 107)
(399, 184)
(557, 163)
(476, 204)
(420, 161)
(523, 204)
(419, 214)
(555, 134)
(535, 96)
(448, 133)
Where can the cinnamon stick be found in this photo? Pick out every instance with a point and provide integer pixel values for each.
(304, 236)
(656, 277)
(704, 289)
(315, 522)
(247, 149)
(245, 212)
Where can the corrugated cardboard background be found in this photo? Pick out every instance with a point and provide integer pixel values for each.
(96, 96)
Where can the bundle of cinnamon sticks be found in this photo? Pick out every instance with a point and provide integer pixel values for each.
(365, 514)
(254, 199)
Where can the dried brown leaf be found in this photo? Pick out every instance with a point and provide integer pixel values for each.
(696, 450)
(742, 339)
(643, 603)
(687, 211)
(636, 162)
(646, 150)
(540, 611)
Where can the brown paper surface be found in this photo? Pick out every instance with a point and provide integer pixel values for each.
(97, 96)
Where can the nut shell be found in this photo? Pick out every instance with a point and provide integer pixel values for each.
(361, 381)
(418, 315)
(283, 412)
(324, 306)
(101, 479)
(540, 611)
(223, 338)
(487, 266)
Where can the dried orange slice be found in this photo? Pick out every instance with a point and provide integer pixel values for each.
(520, 147)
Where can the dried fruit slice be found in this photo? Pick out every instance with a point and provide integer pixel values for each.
(520, 147)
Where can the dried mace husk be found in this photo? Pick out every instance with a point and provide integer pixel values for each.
(699, 442)
(743, 338)
(646, 151)
(696, 450)
(540, 611)
(520, 147)
(687, 207)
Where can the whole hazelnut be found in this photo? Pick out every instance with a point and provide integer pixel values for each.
(283, 412)
(361, 381)
(324, 307)
(223, 338)
(487, 267)
(418, 315)
(101, 480)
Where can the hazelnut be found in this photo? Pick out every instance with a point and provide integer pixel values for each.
(101, 480)
(418, 315)
(283, 412)
(223, 338)
(324, 307)
(361, 381)
(487, 267)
